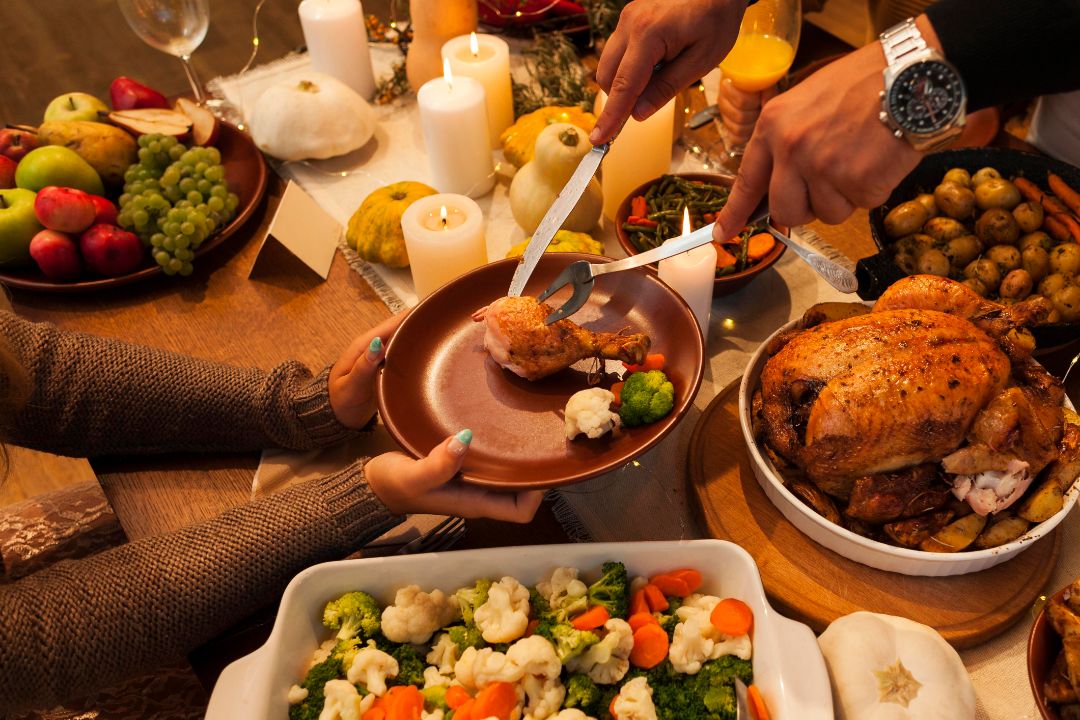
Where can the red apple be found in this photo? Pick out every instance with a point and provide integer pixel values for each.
(64, 209)
(56, 254)
(127, 94)
(204, 126)
(106, 211)
(111, 251)
(15, 143)
(7, 172)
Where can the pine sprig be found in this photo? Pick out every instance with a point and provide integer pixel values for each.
(556, 76)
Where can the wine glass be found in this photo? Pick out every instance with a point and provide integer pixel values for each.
(763, 52)
(175, 27)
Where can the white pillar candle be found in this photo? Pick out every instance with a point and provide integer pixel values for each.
(691, 274)
(486, 59)
(336, 39)
(453, 116)
(444, 236)
(641, 152)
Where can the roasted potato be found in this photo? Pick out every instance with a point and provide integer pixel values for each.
(976, 285)
(955, 536)
(1065, 259)
(928, 202)
(1037, 263)
(1042, 502)
(954, 200)
(996, 193)
(934, 262)
(1052, 283)
(916, 244)
(943, 229)
(997, 226)
(984, 174)
(1016, 285)
(1007, 257)
(1067, 302)
(986, 271)
(1035, 239)
(1004, 528)
(905, 219)
(958, 176)
(1029, 216)
(963, 250)
(1046, 499)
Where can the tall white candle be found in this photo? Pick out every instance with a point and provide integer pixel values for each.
(444, 236)
(336, 39)
(453, 116)
(691, 274)
(641, 152)
(486, 59)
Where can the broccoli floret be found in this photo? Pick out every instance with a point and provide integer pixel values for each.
(569, 642)
(410, 664)
(708, 695)
(354, 614)
(646, 397)
(465, 637)
(668, 619)
(314, 682)
(346, 650)
(435, 698)
(612, 590)
(472, 598)
(583, 694)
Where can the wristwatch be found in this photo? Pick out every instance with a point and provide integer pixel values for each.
(924, 97)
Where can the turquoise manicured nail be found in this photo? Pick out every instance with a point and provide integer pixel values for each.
(464, 437)
(374, 347)
(460, 442)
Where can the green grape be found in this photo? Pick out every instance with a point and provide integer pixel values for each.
(187, 185)
(204, 186)
(157, 239)
(215, 173)
(194, 197)
(162, 258)
(176, 151)
(183, 254)
(141, 218)
(232, 202)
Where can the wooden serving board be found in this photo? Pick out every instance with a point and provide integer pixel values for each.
(814, 585)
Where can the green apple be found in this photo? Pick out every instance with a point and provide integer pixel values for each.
(18, 226)
(76, 106)
(56, 165)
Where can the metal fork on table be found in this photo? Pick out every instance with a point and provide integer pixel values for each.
(441, 537)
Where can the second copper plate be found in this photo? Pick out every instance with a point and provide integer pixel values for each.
(438, 378)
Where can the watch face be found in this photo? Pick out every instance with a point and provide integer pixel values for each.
(926, 97)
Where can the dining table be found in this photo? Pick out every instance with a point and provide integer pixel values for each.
(226, 313)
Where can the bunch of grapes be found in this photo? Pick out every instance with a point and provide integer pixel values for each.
(174, 198)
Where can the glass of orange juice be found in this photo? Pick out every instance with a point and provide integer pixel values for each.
(764, 50)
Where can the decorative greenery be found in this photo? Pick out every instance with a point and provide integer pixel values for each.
(603, 16)
(556, 75)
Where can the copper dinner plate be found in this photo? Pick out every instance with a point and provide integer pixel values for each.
(438, 378)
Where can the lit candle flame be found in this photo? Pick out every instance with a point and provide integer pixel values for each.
(442, 216)
(474, 44)
(447, 75)
(686, 221)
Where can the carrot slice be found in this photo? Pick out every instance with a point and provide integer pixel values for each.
(670, 585)
(499, 699)
(653, 361)
(650, 646)
(1056, 229)
(638, 604)
(456, 696)
(724, 259)
(757, 703)
(758, 246)
(732, 617)
(616, 390)
(403, 702)
(611, 708)
(655, 599)
(642, 618)
(374, 713)
(638, 206)
(464, 712)
(592, 618)
(690, 576)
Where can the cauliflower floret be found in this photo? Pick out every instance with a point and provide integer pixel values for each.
(588, 412)
(696, 640)
(638, 583)
(371, 667)
(443, 654)
(436, 714)
(322, 652)
(563, 591)
(479, 668)
(545, 696)
(607, 661)
(505, 615)
(433, 678)
(342, 701)
(535, 655)
(634, 701)
(416, 615)
(297, 695)
(571, 714)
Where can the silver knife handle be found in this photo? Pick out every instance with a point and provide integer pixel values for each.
(672, 247)
(833, 272)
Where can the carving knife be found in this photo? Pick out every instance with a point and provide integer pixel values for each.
(556, 215)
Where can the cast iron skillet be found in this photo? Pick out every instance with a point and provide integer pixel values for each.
(877, 272)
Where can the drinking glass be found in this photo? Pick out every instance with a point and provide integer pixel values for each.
(175, 27)
(764, 50)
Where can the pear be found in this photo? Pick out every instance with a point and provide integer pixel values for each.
(57, 165)
(107, 148)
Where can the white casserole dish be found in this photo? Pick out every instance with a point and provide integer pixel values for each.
(788, 666)
(856, 547)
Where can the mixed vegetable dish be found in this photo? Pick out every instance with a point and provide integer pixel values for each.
(630, 649)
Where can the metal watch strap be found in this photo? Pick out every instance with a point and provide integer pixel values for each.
(902, 40)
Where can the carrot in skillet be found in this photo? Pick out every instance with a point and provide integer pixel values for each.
(757, 703)
(650, 646)
(1057, 229)
(758, 246)
(670, 585)
(1060, 188)
(732, 617)
(592, 618)
(499, 700)
(654, 598)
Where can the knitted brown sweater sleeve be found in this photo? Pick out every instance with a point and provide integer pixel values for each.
(95, 396)
(82, 625)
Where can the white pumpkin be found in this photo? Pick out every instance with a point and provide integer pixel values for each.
(314, 117)
(884, 667)
(559, 148)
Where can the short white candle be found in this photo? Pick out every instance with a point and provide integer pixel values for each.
(691, 274)
(336, 39)
(444, 236)
(486, 59)
(641, 152)
(454, 119)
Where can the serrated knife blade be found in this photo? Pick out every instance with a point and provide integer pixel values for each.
(556, 215)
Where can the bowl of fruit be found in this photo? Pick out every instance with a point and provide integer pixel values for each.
(653, 213)
(94, 197)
